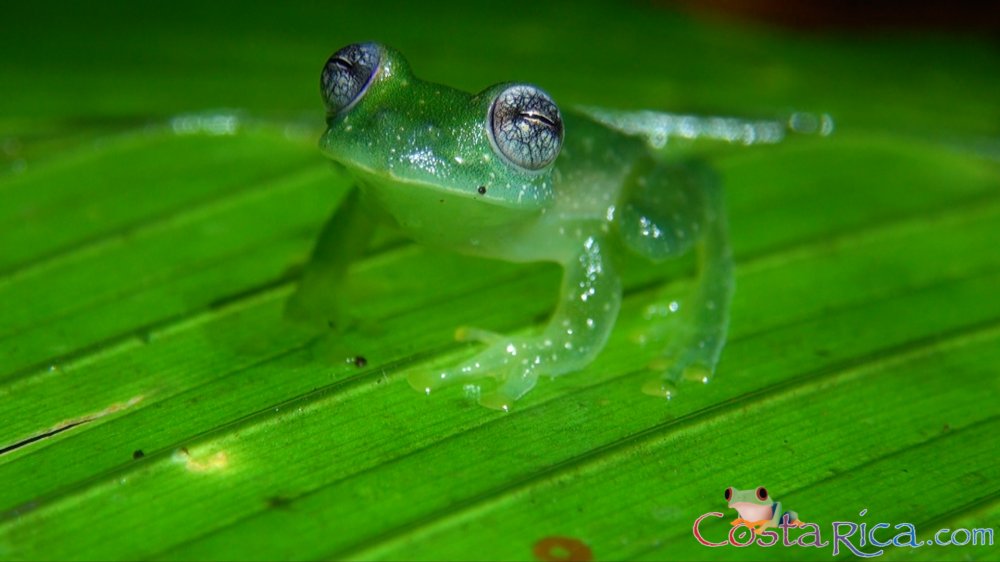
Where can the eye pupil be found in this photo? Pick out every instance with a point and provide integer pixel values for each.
(538, 118)
(761, 493)
(347, 74)
(525, 127)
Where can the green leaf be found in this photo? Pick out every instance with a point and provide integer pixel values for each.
(156, 403)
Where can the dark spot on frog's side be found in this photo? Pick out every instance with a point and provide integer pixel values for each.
(482, 190)
(138, 454)
(360, 361)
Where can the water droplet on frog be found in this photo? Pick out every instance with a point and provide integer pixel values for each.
(472, 392)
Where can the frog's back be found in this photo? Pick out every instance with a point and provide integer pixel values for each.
(656, 206)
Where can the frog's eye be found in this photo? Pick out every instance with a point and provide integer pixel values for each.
(525, 126)
(347, 75)
(729, 493)
(762, 494)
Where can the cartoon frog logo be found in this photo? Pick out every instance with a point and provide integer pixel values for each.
(758, 510)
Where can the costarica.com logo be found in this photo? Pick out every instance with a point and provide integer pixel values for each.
(761, 520)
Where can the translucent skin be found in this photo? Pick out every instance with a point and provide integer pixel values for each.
(423, 157)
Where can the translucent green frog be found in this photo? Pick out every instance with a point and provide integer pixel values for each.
(506, 174)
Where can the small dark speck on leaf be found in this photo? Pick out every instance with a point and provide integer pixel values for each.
(945, 428)
(482, 190)
(360, 361)
(278, 502)
(138, 454)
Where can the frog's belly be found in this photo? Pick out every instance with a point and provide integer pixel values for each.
(451, 221)
(753, 512)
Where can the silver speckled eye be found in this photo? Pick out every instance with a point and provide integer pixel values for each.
(526, 127)
(347, 75)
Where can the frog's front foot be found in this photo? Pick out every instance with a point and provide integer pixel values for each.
(514, 363)
(670, 373)
(756, 526)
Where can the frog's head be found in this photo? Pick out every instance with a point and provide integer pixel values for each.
(416, 145)
(741, 498)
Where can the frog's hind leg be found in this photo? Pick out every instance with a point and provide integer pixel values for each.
(659, 128)
(679, 206)
(793, 519)
(694, 351)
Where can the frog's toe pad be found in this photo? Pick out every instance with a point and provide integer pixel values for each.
(697, 373)
(670, 374)
(468, 333)
(671, 370)
(659, 388)
(497, 401)
(426, 381)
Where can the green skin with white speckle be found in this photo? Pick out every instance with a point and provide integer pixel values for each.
(424, 158)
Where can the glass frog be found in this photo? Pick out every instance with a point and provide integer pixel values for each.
(505, 174)
(757, 510)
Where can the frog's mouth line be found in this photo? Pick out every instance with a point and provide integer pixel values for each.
(379, 179)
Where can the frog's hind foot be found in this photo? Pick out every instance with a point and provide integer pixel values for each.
(671, 373)
(503, 397)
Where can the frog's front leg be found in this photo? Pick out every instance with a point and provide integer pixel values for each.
(343, 239)
(588, 305)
